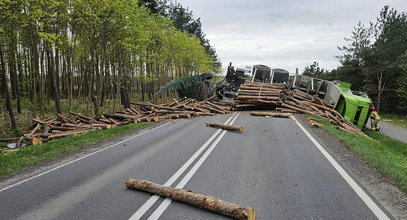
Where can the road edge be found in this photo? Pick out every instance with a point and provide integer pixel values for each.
(380, 188)
(24, 175)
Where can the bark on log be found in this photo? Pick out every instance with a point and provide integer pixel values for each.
(273, 114)
(204, 114)
(121, 116)
(296, 109)
(274, 98)
(52, 136)
(8, 139)
(226, 127)
(205, 202)
(83, 116)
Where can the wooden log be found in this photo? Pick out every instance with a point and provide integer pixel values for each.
(313, 123)
(106, 121)
(175, 116)
(297, 109)
(9, 139)
(156, 106)
(64, 119)
(60, 128)
(204, 114)
(121, 116)
(203, 201)
(226, 127)
(245, 105)
(258, 97)
(84, 117)
(272, 114)
(113, 121)
(37, 127)
(38, 121)
(174, 112)
(214, 106)
(63, 134)
(184, 115)
(210, 108)
(209, 99)
(288, 111)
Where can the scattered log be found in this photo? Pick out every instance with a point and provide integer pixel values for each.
(83, 117)
(272, 114)
(226, 127)
(203, 201)
(204, 114)
(9, 139)
(121, 116)
(313, 123)
(53, 136)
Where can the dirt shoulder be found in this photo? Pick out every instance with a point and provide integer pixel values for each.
(381, 188)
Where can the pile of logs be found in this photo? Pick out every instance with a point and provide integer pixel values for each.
(61, 126)
(277, 97)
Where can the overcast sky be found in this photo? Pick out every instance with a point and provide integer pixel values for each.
(283, 33)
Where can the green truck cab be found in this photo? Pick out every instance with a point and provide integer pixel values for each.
(353, 106)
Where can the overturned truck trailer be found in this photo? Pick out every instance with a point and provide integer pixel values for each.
(198, 87)
(354, 106)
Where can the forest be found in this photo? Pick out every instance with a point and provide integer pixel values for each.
(93, 56)
(375, 61)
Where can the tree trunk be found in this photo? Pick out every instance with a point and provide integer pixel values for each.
(5, 88)
(53, 79)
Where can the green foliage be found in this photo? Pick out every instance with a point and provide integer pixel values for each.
(387, 155)
(183, 20)
(95, 51)
(314, 70)
(372, 61)
(29, 156)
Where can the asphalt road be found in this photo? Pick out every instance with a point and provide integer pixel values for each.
(272, 166)
(393, 131)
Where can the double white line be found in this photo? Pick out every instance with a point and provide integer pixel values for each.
(163, 206)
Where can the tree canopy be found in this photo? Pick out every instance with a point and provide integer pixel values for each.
(375, 60)
(93, 51)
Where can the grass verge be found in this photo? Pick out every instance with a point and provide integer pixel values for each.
(389, 156)
(395, 119)
(29, 156)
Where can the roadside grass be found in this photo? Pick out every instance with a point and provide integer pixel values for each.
(395, 119)
(32, 155)
(389, 156)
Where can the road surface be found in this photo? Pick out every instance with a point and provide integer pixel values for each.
(272, 166)
(393, 131)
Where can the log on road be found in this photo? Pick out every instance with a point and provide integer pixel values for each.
(203, 201)
(272, 114)
(225, 127)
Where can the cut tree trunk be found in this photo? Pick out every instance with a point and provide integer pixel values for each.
(272, 114)
(203, 201)
(225, 127)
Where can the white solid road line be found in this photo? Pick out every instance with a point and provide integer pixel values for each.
(150, 202)
(73, 161)
(359, 191)
(164, 205)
